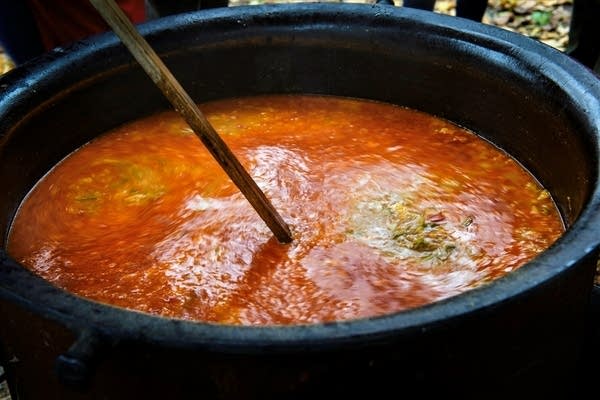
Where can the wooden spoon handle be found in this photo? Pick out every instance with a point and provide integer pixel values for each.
(185, 106)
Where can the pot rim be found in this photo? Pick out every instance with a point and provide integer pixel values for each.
(581, 239)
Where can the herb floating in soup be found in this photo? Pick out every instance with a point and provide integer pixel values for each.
(390, 209)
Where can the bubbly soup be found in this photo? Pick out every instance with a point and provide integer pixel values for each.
(390, 209)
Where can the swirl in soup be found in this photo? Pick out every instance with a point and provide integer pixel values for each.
(390, 209)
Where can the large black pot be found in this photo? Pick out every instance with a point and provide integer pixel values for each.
(523, 332)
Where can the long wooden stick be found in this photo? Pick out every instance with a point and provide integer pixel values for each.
(185, 106)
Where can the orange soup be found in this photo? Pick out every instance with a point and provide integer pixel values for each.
(390, 209)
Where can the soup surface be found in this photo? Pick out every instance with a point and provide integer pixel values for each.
(390, 209)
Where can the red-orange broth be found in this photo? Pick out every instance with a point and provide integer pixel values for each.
(390, 209)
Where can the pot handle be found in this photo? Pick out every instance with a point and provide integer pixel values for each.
(77, 365)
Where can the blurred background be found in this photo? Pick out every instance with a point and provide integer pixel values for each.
(544, 20)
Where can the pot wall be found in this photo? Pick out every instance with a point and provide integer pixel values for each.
(525, 331)
(521, 347)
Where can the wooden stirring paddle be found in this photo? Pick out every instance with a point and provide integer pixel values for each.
(185, 106)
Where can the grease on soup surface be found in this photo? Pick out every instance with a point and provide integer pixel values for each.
(390, 209)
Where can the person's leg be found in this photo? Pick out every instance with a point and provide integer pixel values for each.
(213, 3)
(420, 4)
(161, 8)
(584, 33)
(471, 9)
(19, 35)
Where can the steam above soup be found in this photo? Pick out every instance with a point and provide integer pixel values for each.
(390, 209)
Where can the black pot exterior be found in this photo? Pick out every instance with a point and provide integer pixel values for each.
(524, 331)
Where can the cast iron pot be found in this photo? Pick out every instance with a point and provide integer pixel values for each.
(523, 332)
